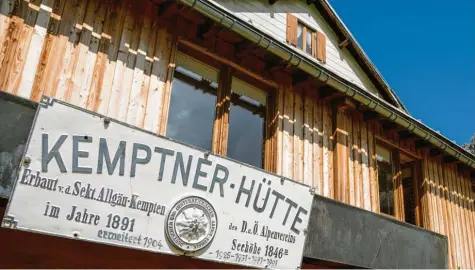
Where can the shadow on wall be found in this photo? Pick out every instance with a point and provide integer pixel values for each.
(108, 56)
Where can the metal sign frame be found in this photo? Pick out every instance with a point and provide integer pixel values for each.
(186, 206)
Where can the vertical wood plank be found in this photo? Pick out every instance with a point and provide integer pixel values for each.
(16, 43)
(287, 158)
(456, 216)
(357, 162)
(308, 168)
(373, 171)
(101, 86)
(328, 184)
(43, 72)
(163, 61)
(6, 11)
(86, 50)
(351, 160)
(340, 158)
(280, 128)
(453, 238)
(70, 31)
(467, 223)
(149, 61)
(298, 137)
(125, 80)
(33, 52)
(141, 72)
(119, 95)
(462, 221)
(365, 167)
(318, 146)
(470, 211)
(438, 195)
(427, 205)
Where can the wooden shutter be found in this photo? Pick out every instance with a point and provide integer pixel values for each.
(292, 29)
(321, 47)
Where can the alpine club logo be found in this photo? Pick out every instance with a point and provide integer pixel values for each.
(191, 224)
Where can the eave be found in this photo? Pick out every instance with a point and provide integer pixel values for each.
(298, 60)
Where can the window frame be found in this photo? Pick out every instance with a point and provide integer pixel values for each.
(219, 140)
(398, 195)
(313, 36)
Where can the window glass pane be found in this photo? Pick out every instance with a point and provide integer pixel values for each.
(246, 129)
(308, 40)
(385, 180)
(300, 36)
(386, 193)
(192, 104)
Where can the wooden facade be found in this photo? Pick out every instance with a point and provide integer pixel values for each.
(116, 57)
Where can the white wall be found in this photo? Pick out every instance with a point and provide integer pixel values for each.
(272, 20)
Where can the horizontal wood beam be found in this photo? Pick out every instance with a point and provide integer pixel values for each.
(344, 43)
(223, 60)
(395, 146)
(345, 103)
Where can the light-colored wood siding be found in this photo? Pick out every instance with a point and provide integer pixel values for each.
(106, 56)
(272, 19)
(335, 160)
(449, 209)
(114, 57)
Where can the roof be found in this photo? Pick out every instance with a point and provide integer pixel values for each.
(345, 36)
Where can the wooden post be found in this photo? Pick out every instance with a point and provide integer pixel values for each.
(340, 152)
(221, 121)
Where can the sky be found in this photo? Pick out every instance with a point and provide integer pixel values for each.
(425, 50)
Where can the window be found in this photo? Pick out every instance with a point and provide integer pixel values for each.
(305, 38)
(192, 101)
(385, 180)
(246, 123)
(200, 97)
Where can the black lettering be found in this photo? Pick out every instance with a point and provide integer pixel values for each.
(46, 156)
(247, 192)
(77, 154)
(104, 155)
(185, 172)
(261, 209)
(136, 160)
(164, 153)
(219, 180)
(297, 219)
(278, 197)
(292, 204)
(199, 173)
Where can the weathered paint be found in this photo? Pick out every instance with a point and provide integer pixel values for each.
(108, 57)
(101, 55)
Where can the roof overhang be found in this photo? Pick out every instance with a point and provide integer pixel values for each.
(346, 40)
(298, 60)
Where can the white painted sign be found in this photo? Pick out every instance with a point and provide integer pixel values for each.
(86, 177)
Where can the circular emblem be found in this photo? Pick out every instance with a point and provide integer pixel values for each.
(191, 224)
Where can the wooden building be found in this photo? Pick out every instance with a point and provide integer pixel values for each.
(280, 85)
